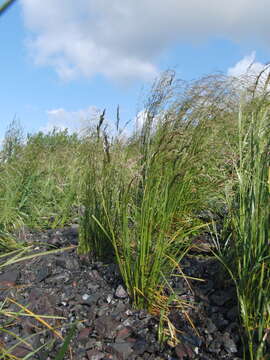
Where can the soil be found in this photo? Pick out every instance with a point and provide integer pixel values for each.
(92, 296)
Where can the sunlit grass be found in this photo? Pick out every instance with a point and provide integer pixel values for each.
(246, 253)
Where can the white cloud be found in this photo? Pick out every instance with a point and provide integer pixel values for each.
(74, 121)
(122, 39)
(250, 74)
(247, 65)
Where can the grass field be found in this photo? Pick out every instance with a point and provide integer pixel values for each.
(204, 145)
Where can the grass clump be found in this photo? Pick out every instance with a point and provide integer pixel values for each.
(146, 213)
(246, 253)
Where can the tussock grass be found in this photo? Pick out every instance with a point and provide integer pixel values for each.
(145, 213)
(246, 252)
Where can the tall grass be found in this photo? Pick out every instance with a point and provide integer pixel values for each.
(247, 251)
(39, 180)
(106, 173)
(146, 215)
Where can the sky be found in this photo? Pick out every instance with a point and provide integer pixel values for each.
(63, 61)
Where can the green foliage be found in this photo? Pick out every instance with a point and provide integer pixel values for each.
(13, 141)
(39, 179)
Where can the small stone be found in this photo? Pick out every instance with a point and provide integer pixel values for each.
(85, 297)
(103, 310)
(8, 279)
(142, 314)
(94, 276)
(95, 355)
(93, 287)
(214, 347)
(106, 327)
(84, 334)
(72, 264)
(121, 350)
(210, 326)
(109, 298)
(221, 297)
(129, 312)
(140, 346)
(42, 273)
(128, 323)
(191, 339)
(183, 350)
(229, 344)
(91, 343)
(121, 292)
(21, 351)
(123, 334)
(232, 313)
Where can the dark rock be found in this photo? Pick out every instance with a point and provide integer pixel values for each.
(86, 293)
(21, 351)
(121, 350)
(191, 339)
(103, 310)
(84, 334)
(8, 279)
(182, 351)
(106, 327)
(221, 297)
(95, 355)
(123, 333)
(140, 346)
(43, 273)
(229, 344)
(55, 241)
(215, 346)
(94, 276)
(219, 319)
(57, 278)
(91, 299)
(232, 313)
(142, 314)
(210, 326)
(72, 264)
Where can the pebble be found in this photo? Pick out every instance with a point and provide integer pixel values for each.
(121, 292)
(85, 297)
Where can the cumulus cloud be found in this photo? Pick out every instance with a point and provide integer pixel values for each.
(73, 121)
(246, 65)
(122, 39)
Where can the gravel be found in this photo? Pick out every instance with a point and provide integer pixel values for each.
(92, 295)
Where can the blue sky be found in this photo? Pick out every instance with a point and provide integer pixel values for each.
(62, 61)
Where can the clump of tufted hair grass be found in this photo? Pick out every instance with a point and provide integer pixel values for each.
(147, 217)
(246, 251)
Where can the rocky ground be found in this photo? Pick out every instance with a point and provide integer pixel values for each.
(91, 295)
